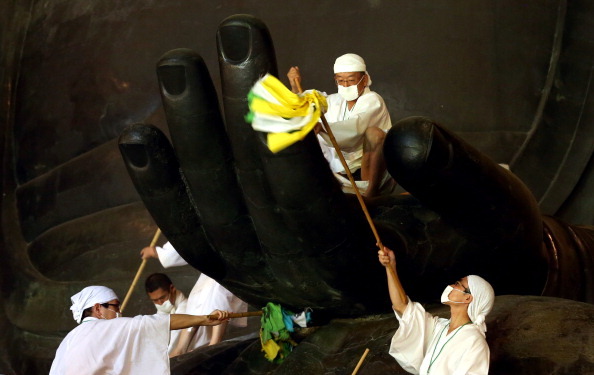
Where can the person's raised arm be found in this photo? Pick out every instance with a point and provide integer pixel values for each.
(149, 252)
(294, 77)
(179, 321)
(397, 294)
(167, 255)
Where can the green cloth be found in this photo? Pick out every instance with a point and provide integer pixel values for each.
(274, 336)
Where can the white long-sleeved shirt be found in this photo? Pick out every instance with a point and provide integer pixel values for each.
(124, 346)
(179, 307)
(348, 127)
(206, 296)
(422, 345)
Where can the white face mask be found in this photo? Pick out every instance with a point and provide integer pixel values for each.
(349, 93)
(166, 307)
(118, 315)
(445, 296)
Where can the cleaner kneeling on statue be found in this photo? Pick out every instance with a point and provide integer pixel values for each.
(359, 120)
(426, 344)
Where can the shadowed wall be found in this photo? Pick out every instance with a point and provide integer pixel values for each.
(512, 79)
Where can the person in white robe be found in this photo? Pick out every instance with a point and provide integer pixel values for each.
(205, 294)
(359, 120)
(167, 299)
(102, 344)
(425, 344)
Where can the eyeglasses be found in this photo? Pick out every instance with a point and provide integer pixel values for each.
(349, 81)
(466, 290)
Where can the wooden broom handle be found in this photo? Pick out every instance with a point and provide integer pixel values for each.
(238, 315)
(360, 361)
(139, 272)
(351, 179)
(348, 172)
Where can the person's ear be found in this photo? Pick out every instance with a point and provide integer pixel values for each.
(172, 291)
(365, 79)
(469, 298)
(97, 311)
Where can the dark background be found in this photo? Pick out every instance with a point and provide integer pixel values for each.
(512, 78)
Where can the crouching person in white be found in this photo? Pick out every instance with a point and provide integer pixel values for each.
(426, 344)
(102, 344)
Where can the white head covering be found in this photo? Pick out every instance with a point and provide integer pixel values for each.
(351, 62)
(483, 297)
(88, 297)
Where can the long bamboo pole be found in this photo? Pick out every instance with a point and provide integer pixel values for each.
(138, 273)
(348, 172)
(378, 241)
(239, 315)
(360, 362)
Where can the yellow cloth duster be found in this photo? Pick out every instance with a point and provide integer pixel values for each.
(284, 115)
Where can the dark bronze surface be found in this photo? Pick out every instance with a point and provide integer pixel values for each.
(512, 80)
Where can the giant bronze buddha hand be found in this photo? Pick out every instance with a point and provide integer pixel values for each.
(277, 227)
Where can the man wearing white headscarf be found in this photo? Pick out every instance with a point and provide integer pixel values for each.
(359, 121)
(102, 344)
(425, 344)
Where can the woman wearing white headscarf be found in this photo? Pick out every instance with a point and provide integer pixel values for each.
(426, 344)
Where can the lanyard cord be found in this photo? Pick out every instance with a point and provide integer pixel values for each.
(346, 109)
(437, 343)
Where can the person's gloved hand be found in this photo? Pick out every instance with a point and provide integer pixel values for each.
(277, 227)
